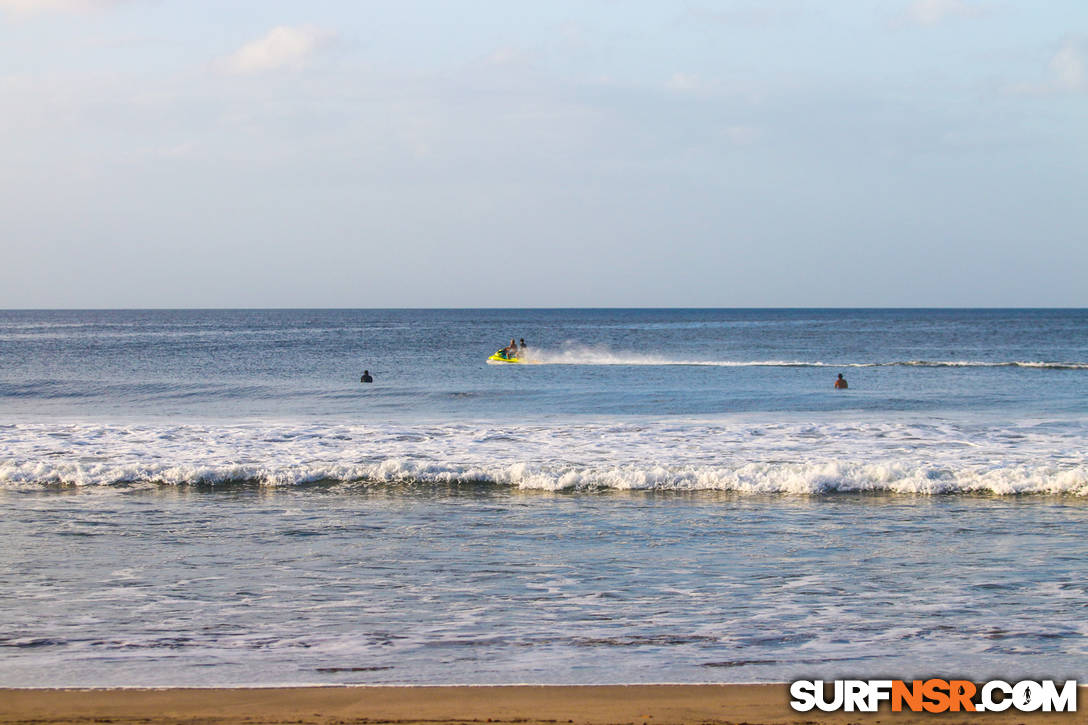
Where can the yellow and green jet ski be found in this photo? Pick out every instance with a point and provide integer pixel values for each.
(500, 357)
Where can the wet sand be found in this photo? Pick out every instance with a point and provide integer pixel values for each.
(649, 704)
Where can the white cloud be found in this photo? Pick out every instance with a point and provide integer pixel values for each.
(31, 7)
(751, 15)
(1068, 72)
(685, 83)
(742, 135)
(282, 47)
(507, 55)
(1068, 68)
(177, 151)
(934, 12)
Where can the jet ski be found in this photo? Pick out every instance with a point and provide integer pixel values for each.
(501, 358)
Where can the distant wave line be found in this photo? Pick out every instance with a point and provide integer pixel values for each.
(632, 360)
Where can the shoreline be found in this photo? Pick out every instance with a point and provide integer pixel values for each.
(525, 704)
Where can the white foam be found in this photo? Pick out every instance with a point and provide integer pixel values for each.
(602, 355)
(662, 455)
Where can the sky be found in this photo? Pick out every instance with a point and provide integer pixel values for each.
(593, 153)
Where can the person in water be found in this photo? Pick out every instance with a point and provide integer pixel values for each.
(366, 377)
(840, 383)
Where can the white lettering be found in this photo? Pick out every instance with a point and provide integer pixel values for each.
(835, 703)
(1027, 696)
(855, 695)
(991, 705)
(803, 693)
(1064, 701)
(879, 690)
(994, 696)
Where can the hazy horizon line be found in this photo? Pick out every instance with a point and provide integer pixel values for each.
(556, 308)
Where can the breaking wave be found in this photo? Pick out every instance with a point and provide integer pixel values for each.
(656, 456)
(764, 478)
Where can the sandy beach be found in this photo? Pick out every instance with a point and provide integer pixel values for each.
(658, 704)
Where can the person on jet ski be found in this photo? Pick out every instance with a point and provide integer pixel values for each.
(523, 349)
(511, 350)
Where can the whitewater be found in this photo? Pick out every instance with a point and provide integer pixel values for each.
(589, 355)
(743, 457)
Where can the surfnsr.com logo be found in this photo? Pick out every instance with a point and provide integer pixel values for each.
(934, 695)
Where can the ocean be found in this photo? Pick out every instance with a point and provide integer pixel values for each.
(211, 497)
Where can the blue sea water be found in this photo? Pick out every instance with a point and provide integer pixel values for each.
(212, 497)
